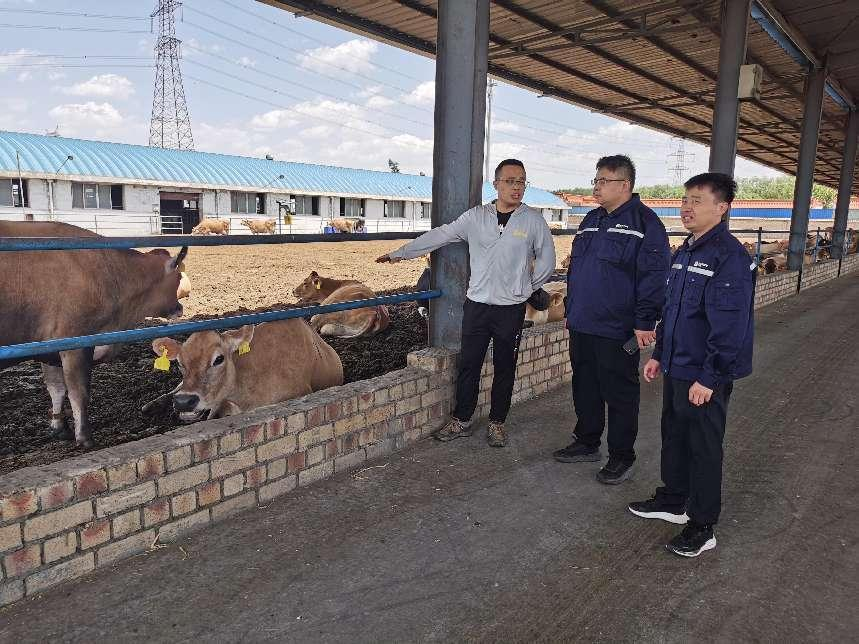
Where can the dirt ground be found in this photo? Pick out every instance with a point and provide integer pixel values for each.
(225, 280)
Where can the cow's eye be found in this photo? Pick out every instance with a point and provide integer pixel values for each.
(218, 360)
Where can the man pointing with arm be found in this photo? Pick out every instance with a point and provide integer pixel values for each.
(511, 255)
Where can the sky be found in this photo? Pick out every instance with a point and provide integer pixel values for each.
(260, 81)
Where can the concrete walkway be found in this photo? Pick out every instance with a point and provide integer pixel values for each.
(464, 542)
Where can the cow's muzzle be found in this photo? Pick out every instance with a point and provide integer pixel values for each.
(186, 406)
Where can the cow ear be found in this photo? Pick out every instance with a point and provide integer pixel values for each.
(175, 262)
(313, 274)
(160, 345)
(235, 338)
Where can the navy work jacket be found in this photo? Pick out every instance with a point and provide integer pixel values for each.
(707, 329)
(618, 267)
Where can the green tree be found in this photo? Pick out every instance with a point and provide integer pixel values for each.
(394, 166)
(824, 194)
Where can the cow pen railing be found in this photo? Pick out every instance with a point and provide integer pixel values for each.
(28, 349)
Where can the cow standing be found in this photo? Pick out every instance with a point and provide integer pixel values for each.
(284, 360)
(212, 227)
(55, 294)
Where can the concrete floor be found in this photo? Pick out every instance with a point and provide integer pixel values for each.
(463, 542)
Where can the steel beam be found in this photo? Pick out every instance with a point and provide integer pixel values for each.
(460, 110)
(845, 185)
(814, 90)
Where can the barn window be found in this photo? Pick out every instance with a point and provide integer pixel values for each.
(426, 210)
(395, 209)
(247, 203)
(351, 207)
(306, 205)
(10, 193)
(103, 196)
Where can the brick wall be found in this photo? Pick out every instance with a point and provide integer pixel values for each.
(63, 520)
(775, 286)
(850, 263)
(818, 273)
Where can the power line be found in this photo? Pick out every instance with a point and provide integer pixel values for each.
(74, 14)
(84, 29)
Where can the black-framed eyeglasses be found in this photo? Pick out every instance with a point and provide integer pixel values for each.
(515, 182)
(602, 181)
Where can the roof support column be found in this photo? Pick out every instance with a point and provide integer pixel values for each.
(848, 167)
(726, 111)
(460, 110)
(814, 87)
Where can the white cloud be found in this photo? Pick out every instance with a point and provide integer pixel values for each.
(247, 61)
(273, 119)
(24, 76)
(423, 94)
(15, 58)
(379, 102)
(352, 56)
(55, 76)
(504, 126)
(88, 113)
(103, 86)
(98, 121)
(194, 48)
(410, 142)
(369, 91)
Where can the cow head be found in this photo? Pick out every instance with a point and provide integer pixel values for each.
(207, 362)
(309, 288)
(169, 283)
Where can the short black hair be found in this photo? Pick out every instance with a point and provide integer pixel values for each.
(723, 186)
(515, 162)
(617, 162)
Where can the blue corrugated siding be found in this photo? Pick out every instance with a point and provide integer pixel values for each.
(120, 161)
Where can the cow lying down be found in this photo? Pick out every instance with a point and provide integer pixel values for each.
(555, 311)
(316, 289)
(224, 374)
(56, 294)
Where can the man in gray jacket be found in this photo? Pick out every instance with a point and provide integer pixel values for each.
(511, 255)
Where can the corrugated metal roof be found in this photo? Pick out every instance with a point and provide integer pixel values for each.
(100, 160)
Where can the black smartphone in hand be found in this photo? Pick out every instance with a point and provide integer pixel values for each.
(631, 345)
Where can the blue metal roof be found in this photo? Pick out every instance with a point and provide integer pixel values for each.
(42, 155)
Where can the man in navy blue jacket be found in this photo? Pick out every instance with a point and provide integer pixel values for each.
(615, 290)
(703, 344)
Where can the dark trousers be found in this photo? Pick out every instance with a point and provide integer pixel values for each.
(692, 450)
(604, 375)
(481, 323)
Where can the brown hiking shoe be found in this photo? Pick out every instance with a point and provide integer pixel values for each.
(454, 428)
(495, 435)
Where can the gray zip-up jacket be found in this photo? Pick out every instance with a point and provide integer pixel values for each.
(506, 268)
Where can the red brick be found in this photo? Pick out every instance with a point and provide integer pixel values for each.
(56, 495)
(91, 484)
(150, 466)
(408, 421)
(255, 477)
(333, 411)
(253, 435)
(348, 443)
(23, 561)
(436, 410)
(205, 450)
(275, 428)
(19, 505)
(95, 533)
(330, 449)
(156, 512)
(295, 462)
(209, 493)
(316, 416)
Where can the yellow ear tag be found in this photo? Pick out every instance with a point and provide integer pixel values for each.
(163, 363)
(287, 220)
(318, 285)
(244, 347)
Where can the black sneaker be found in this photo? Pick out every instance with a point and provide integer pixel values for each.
(692, 541)
(614, 472)
(577, 453)
(654, 509)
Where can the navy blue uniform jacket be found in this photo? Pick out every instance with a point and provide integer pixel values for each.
(708, 326)
(618, 267)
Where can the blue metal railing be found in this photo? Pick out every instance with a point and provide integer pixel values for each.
(27, 349)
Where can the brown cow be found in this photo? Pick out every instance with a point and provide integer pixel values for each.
(555, 312)
(347, 225)
(55, 294)
(287, 360)
(316, 288)
(212, 227)
(355, 322)
(258, 227)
